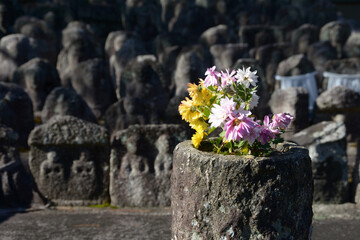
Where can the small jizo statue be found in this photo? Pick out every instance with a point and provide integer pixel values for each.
(83, 175)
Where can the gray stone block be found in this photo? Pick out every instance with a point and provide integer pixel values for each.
(326, 142)
(141, 164)
(241, 197)
(69, 159)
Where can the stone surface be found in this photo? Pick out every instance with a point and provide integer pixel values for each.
(225, 55)
(86, 223)
(293, 101)
(125, 112)
(144, 20)
(143, 79)
(15, 184)
(115, 40)
(269, 56)
(7, 67)
(259, 35)
(141, 164)
(343, 66)
(215, 35)
(319, 53)
(63, 101)
(69, 159)
(234, 197)
(38, 77)
(295, 65)
(129, 50)
(326, 142)
(341, 104)
(304, 36)
(337, 33)
(352, 46)
(22, 48)
(339, 99)
(187, 23)
(92, 81)
(16, 110)
(79, 44)
(40, 30)
(331, 221)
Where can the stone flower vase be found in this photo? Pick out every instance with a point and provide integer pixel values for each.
(241, 197)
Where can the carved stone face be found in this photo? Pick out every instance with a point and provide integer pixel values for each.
(52, 175)
(83, 176)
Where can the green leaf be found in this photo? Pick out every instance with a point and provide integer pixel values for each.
(206, 112)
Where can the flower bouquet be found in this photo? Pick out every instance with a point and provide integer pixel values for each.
(225, 99)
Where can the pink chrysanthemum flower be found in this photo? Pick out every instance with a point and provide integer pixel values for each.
(266, 132)
(211, 77)
(281, 120)
(238, 127)
(227, 78)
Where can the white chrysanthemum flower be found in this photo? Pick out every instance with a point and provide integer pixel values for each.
(254, 100)
(246, 77)
(219, 113)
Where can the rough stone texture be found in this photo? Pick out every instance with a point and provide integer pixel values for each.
(125, 112)
(79, 44)
(91, 80)
(352, 46)
(38, 77)
(40, 30)
(339, 99)
(15, 184)
(115, 40)
(293, 101)
(21, 48)
(16, 110)
(215, 35)
(143, 80)
(7, 66)
(69, 159)
(304, 36)
(144, 20)
(319, 53)
(337, 33)
(141, 164)
(295, 65)
(326, 142)
(225, 55)
(129, 50)
(259, 35)
(63, 101)
(269, 56)
(343, 66)
(234, 197)
(187, 23)
(341, 104)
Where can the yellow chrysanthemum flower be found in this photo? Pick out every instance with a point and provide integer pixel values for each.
(197, 138)
(199, 125)
(194, 90)
(188, 111)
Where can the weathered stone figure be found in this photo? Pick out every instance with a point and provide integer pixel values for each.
(141, 164)
(52, 175)
(83, 176)
(69, 161)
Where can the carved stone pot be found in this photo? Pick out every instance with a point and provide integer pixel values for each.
(241, 197)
